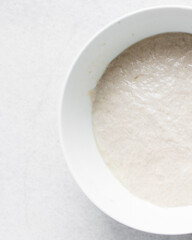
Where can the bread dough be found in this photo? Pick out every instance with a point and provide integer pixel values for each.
(142, 119)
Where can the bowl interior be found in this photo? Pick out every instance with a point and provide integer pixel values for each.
(80, 149)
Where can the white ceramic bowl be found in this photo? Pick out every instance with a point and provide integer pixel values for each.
(78, 142)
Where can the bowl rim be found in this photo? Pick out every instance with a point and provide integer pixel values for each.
(60, 122)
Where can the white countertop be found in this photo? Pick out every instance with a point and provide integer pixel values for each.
(39, 199)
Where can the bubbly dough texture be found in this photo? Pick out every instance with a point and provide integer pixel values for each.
(142, 119)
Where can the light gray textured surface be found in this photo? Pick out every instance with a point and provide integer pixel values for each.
(39, 200)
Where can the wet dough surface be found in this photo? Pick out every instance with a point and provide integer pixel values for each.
(142, 119)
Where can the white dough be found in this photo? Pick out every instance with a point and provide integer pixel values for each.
(142, 119)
